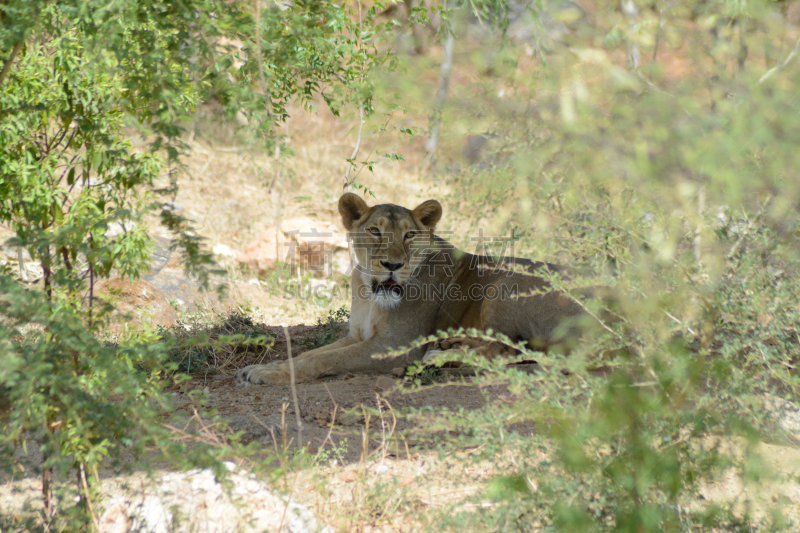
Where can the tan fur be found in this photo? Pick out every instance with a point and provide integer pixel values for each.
(442, 287)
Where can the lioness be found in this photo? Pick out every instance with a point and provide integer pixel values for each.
(408, 283)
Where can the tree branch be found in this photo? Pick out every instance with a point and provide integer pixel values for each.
(441, 95)
(351, 163)
(776, 68)
(10, 61)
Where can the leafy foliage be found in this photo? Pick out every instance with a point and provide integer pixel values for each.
(57, 381)
(328, 330)
(76, 77)
(655, 151)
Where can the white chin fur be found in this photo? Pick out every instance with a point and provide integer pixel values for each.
(386, 300)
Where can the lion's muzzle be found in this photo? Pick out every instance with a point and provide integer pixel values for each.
(387, 288)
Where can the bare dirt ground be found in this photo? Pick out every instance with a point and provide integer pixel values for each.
(234, 192)
(335, 411)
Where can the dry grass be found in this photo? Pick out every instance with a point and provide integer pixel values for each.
(227, 188)
(225, 344)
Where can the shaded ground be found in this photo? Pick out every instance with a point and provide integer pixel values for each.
(334, 411)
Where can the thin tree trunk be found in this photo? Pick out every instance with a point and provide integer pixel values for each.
(47, 274)
(701, 207)
(742, 56)
(278, 172)
(631, 13)
(658, 33)
(352, 162)
(786, 61)
(10, 61)
(47, 489)
(21, 263)
(441, 95)
(91, 286)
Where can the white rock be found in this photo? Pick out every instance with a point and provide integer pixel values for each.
(785, 412)
(196, 501)
(225, 251)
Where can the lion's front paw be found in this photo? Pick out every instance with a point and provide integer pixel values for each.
(272, 374)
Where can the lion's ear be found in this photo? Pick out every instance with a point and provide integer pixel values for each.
(352, 208)
(428, 213)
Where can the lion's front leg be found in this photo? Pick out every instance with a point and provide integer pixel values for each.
(355, 358)
(341, 343)
(278, 372)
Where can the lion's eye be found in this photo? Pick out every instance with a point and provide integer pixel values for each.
(411, 235)
(374, 231)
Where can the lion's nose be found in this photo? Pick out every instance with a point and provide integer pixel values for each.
(391, 267)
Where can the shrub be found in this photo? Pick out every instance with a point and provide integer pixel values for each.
(195, 346)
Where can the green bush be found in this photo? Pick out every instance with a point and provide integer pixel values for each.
(81, 400)
(77, 78)
(328, 330)
(681, 194)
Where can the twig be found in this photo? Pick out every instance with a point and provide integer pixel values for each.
(476, 12)
(658, 33)
(701, 207)
(350, 163)
(21, 263)
(82, 474)
(260, 59)
(278, 172)
(297, 418)
(735, 248)
(680, 323)
(781, 66)
(653, 85)
(375, 144)
(91, 285)
(330, 429)
(444, 81)
(364, 439)
(271, 432)
(284, 407)
(384, 446)
(631, 13)
(328, 436)
(294, 387)
(586, 310)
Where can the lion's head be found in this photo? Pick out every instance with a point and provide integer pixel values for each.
(389, 243)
